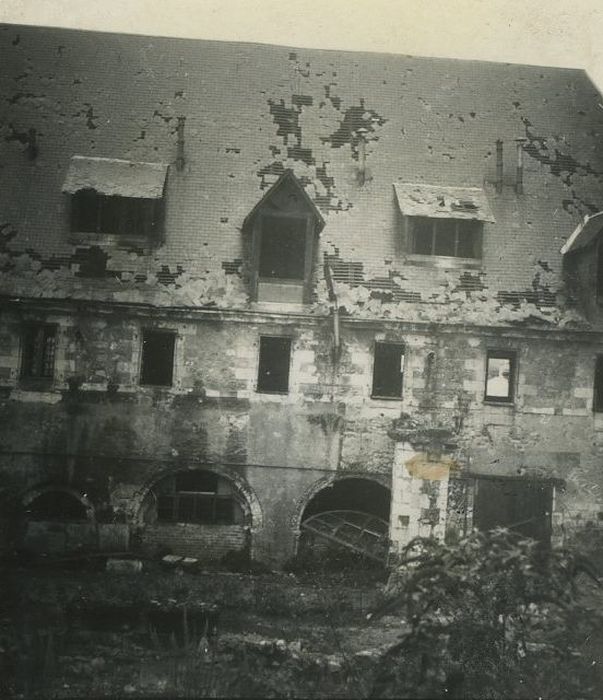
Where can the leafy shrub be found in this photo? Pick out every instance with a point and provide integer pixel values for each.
(492, 616)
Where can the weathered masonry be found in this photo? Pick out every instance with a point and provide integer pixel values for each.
(256, 299)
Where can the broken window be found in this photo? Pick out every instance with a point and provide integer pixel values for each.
(38, 351)
(198, 496)
(598, 393)
(458, 238)
(92, 212)
(273, 369)
(157, 365)
(500, 376)
(388, 370)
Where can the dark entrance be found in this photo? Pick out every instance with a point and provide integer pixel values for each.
(517, 504)
(350, 515)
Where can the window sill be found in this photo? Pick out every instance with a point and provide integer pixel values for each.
(271, 393)
(507, 403)
(281, 291)
(385, 398)
(443, 261)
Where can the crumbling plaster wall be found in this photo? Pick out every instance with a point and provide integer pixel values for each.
(253, 111)
(99, 431)
(448, 432)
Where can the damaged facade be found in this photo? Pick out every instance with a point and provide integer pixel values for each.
(252, 296)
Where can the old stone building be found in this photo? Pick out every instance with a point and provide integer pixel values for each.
(253, 293)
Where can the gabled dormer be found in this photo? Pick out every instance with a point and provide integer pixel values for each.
(583, 266)
(283, 226)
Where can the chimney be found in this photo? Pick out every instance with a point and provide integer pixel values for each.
(499, 166)
(519, 172)
(180, 145)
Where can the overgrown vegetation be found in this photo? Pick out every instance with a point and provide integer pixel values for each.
(492, 616)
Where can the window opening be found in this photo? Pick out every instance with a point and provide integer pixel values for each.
(157, 358)
(500, 376)
(197, 497)
(273, 370)
(97, 213)
(39, 347)
(459, 238)
(388, 370)
(283, 248)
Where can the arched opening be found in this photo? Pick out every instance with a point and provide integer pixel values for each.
(56, 506)
(54, 520)
(346, 523)
(195, 513)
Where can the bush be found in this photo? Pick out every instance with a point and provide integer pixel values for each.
(492, 616)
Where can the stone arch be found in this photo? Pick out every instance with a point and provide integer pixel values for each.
(203, 511)
(28, 498)
(55, 518)
(318, 487)
(251, 501)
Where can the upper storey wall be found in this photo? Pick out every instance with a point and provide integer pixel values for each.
(251, 112)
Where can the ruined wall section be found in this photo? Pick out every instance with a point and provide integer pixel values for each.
(98, 430)
(252, 112)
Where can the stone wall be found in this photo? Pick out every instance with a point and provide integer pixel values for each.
(99, 431)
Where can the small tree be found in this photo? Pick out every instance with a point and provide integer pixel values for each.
(492, 616)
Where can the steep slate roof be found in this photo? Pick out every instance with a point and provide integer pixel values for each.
(253, 111)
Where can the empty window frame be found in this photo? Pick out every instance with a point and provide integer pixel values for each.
(458, 238)
(598, 385)
(92, 212)
(282, 248)
(199, 497)
(273, 366)
(38, 351)
(157, 365)
(501, 370)
(388, 370)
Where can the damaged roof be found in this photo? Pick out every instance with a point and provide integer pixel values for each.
(115, 177)
(443, 202)
(83, 109)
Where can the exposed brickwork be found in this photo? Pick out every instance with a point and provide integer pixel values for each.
(205, 543)
(426, 120)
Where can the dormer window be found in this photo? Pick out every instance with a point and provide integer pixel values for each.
(583, 265)
(283, 227)
(115, 197)
(457, 238)
(443, 222)
(92, 212)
